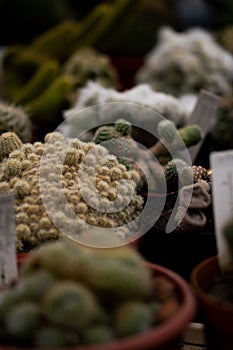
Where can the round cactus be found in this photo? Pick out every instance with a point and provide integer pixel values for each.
(15, 119)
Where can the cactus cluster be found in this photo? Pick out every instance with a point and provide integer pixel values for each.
(71, 295)
(183, 63)
(141, 106)
(90, 182)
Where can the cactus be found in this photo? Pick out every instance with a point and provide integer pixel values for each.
(133, 317)
(43, 77)
(118, 276)
(69, 312)
(221, 132)
(71, 305)
(22, 320)
(53, 41)
(15, 119)
(9, 142)
(50, 101)
(98, 334)
(35, 286)
(174, 139)
(172, 173)
(88, 64)
(50, 337)
(22, 172)
(180, 64)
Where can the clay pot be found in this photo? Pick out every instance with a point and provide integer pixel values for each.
(165, 336)
(217, 317)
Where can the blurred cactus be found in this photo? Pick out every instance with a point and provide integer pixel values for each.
(86, 307)
(88, 64)
(15, 119)
(222, 131)
(186, 62)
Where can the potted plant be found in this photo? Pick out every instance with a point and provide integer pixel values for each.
(212, 283)
(125, 302)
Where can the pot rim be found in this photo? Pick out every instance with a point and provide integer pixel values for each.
(200, 290)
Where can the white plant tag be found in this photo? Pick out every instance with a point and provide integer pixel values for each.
(204, 115)
(8, 262)
(222, 179)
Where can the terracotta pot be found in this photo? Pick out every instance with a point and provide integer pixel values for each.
(167, 335)
(217, 317)
(21, 257)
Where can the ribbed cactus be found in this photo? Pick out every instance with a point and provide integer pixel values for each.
(15, 119)
(9, 142)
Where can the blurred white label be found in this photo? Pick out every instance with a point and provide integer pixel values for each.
(222, 178)
(204, 115)
(8, 262)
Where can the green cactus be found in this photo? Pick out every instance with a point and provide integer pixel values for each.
(69, 311)
(8, 300)
(50, 101)
(45, 74)
(190, 134)
(54, 41)
(19, 65)
(133, 317)
(15, 119)
(71, 305)
(172, 173)
(35, 286)
(103, 21)
(118, 274)
(98, 334)
(50, 337)
(22, 320)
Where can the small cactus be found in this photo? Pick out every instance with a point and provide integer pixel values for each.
(9, 142)
(15, 119)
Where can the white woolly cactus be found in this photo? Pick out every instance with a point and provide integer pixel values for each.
(65, 183)
(183, 63)
(139, 106)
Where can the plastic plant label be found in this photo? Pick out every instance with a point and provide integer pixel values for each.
(222, 180)
(204, 115)
(8, 263)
